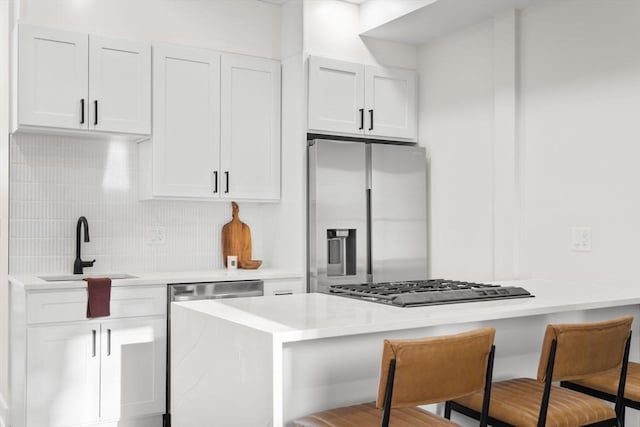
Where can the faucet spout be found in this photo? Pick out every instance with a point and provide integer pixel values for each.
(79, 264)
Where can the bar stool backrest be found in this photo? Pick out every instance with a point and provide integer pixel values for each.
(584, 349)
(436, 369)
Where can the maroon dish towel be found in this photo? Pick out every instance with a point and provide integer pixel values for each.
(98, 304)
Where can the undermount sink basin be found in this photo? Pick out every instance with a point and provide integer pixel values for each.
(74, 277)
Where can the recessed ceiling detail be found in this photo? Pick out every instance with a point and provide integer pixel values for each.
(434, 18)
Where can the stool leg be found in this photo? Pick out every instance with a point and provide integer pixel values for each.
(447, 410)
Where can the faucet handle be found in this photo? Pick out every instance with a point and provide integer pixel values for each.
(88, 263)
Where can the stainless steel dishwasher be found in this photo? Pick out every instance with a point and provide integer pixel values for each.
(179, 292)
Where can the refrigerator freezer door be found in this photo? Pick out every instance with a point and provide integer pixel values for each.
(398, 213)
(337, 214)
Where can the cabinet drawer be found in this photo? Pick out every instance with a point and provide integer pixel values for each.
(284, 287)
(68, 305)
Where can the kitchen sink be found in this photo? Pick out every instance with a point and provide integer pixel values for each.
(74, 277)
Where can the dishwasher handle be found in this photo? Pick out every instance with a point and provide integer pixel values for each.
(215, 290)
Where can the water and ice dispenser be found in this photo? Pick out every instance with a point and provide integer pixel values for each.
(341, 252)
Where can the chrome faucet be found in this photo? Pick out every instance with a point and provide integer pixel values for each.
(79, 264)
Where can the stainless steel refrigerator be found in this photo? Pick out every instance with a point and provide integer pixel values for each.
(367, 210)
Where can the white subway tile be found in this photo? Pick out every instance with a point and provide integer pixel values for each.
(56, 179)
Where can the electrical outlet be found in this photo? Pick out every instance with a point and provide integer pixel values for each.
(155, 235)
(581, 239)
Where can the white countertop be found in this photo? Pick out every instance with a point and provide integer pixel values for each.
(34, 282)
(312, 316)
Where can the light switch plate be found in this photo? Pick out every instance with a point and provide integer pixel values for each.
(581, 239)
(155, 235)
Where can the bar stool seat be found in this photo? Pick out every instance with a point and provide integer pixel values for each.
(367, 414)
(417, 372)
(569, 352)
(608, 382)
(517, 402)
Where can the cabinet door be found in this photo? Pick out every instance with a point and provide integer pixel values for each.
(250, 146)
(186, 122)
(390, 103)
(120, 85)
(53, 69)
(336, 96)
(133, 368)
(63, 375)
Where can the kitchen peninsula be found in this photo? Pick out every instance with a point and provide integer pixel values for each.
(266, 361)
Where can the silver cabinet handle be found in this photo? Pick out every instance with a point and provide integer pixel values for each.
(93, 332)
(283, 293)
(108, 342)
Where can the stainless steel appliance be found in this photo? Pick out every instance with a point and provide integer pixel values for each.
(178, 292)
(428, 292)
(367, 212)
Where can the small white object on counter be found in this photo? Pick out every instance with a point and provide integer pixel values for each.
(232, 262)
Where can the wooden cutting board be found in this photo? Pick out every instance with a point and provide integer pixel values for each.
(236, 238)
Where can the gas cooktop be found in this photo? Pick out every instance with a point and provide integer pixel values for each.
(417, 293)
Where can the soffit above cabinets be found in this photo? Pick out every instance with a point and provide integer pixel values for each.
(418, 21)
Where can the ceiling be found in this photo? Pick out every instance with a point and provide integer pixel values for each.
(284, 1)
(440, 17)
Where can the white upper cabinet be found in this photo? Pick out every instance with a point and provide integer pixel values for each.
(250, 145)
(76, 81)
(120, 85)
(186, 122)
(216, 127)
(361, 100)
(336, 96)
(52, 78)
(390, 96)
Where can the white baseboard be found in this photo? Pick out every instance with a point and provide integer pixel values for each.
(4, 412)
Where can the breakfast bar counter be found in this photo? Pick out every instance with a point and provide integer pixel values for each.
(266, 361)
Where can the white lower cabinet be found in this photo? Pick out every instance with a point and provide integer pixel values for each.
(87, 373)
(63, 375)
(133, 356)
(77, 372)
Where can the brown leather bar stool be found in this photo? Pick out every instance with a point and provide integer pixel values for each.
(605, 386)
(569, 352)
(420, 372)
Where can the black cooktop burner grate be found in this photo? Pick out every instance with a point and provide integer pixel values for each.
(415, 293)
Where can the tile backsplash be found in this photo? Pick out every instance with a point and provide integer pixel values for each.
(56, 179)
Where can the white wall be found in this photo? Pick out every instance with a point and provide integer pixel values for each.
(580, 132)
(331, 29)
(5, 14)
(573, 154)
(287, 221)
(374, 13)
(456, 127)
(243, 26)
